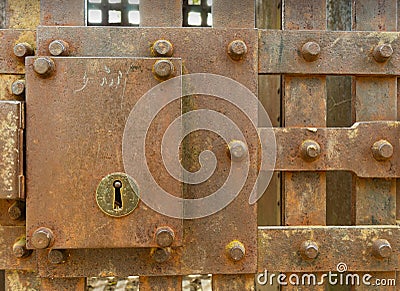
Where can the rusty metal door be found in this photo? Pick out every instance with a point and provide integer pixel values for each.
(113, 111)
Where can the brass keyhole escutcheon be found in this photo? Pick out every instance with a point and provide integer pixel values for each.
(117, 195)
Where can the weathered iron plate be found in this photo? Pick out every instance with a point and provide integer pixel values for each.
(279, 248)
(77, 118)
(9, 62)
(193, 46)
(11, 138)
(8, 236)
(110, 262)
(344, 149)
(342, 53)
(59, 12)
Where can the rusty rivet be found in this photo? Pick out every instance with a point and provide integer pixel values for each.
(309, 250)
(42, 238)
(43, 66)
(310, 150)
(18, 87)
(382, 150)
(164, 236)
(238, 150)
(381, 249)
(162, 48)
(23, 49)
(161, 255)
(57, 256)
(310, 51)
(17, 210)
(19, 248)
(235, 250)
(58, 48)
(382, 53)
(237, 49)
(162, 69)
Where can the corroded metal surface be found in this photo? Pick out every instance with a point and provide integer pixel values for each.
(68, 155)
(304, 15)
(5, 219)
(22, 14)
(6, 91)
(60, 12)
(11, 162)
(241, 14)
(61, 284)
(343, 53)
(110, 263)
(346, 149)
(167, 13)
(304, 194)
(160, 283)
(9, 62)
(192, 45)
(280, 248)
(233, 282)
(8, 236)
(22, 280)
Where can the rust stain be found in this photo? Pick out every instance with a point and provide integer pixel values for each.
(9, 150)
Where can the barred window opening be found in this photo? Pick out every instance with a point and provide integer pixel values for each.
(197, 13)
(113, 13)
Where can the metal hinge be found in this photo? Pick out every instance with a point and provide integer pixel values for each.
(12, 180)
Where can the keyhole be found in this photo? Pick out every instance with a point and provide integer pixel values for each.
(117, 195)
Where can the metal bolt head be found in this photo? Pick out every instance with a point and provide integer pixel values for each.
(236, 250)
(164, 236)
(310, 150)
(382, 53)
(237, 49)
(381, 249)
(58, 48)
(382, 150)
(18, 87)
(309, 250)
(17, 210)
(163, 69)
(238, 150)
(161, 255)
(310, 51)
(23, 49)
(42, 238)
(19, 249)
(43, 66)
(162, 48)
(57, 256)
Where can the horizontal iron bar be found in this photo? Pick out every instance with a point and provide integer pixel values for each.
(280, 248)
(279, 52)
(341, 53)
(341, 149)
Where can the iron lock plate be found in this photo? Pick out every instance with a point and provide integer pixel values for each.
(77, 115)
(198, 255)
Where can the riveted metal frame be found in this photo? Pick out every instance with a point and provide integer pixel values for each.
(199, 249)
